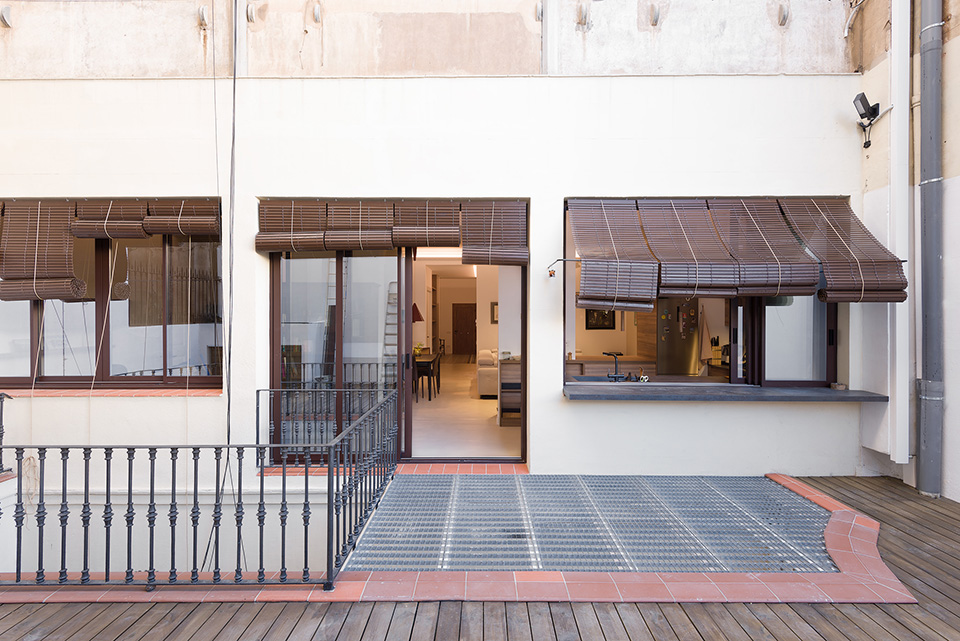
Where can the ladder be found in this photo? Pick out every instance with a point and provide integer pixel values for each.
(391, 327)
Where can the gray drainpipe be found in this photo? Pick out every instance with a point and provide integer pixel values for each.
(930, 383)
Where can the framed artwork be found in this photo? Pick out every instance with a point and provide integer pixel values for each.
(600, 319)
(494, 313)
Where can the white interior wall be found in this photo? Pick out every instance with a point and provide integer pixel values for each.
(488, 283)
(508, 329)
(395, 138)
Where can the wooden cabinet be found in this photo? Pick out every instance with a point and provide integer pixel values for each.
(511, 391)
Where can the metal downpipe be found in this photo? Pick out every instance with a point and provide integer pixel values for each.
(930, 383)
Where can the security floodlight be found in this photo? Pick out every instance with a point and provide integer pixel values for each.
(864, 108)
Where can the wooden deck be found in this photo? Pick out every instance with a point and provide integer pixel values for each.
(919, 540)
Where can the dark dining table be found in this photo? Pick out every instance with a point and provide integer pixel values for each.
(428, 365)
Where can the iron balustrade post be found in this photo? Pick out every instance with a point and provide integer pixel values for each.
(195, 515)
(238, 576)
(41, 511)
(261, 511)
(64, 514)
(85, 514)
(283, 515)
(217, 515)
(107, 511)
(131, 452)
(172, 514)
(152, 518)
(19, 513)
(306, 515)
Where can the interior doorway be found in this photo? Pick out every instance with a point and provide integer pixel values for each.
(460, 415)
(464, 328)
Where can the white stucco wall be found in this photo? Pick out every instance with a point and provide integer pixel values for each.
(539, 138)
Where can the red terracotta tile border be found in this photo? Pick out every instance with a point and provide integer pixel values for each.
(851, 540)
(462, 468)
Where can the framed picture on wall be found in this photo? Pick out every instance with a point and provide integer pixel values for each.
(494, 313)
(600, 319)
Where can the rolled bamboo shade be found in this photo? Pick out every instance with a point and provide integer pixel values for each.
(183, 217)
(426, 223)
(772, 262)
(36, 252)
(856, 266)
(693, 259)
(617, 270)
(359, 225)
(291, 225)
(116, 218)
(494, 232)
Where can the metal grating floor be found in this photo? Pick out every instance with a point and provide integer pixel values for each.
(593, 523)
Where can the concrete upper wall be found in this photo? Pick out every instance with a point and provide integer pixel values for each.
(348, 38)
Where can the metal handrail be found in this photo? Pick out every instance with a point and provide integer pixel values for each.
(150, 479)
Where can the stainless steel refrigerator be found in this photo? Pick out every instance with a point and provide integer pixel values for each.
(678, 336)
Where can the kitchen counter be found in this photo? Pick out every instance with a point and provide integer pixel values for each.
(723, 392)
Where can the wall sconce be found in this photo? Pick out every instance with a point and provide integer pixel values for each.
(251, 13)
(783, 14)
(317, 14)
(654, 15)
(202, 17)
(583, 17)
(5, 18)
(869, 113)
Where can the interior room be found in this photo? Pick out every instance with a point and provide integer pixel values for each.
(466, 326)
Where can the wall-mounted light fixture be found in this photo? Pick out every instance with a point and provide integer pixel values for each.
(783, 14)
(317, 13)
(202, 17)
(251, 13)
(5, 18)
(869, 114)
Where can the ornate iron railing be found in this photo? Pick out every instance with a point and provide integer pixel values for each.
(195, 506)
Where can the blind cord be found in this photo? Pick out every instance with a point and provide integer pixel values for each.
(613, 243)
(696, 263)
(772, 253)
(834, 230)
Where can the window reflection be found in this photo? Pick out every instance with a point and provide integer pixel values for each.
(136, 307)
(193, 307)
(308, 294)
(68, 328)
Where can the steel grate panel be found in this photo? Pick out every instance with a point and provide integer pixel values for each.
(593, 523)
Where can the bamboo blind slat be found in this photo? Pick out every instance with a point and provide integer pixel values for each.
(617, 270)
(857, 268)
(343, 239)
(36, 251)
(693, 259)
(772, 262)
(426, 223)
(110, 218)
(494, 232)
(184, 217)
(359, 224)
(291, 225)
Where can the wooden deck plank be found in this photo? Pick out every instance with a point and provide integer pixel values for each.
(704, 623)
(401, 625)
(725, 621)
(378, 625)
(158, 621)
(286, 621)
(213, 624)
(816, 621)
(17, 614)
(99, 622)
(680, 622)
(749, 622)
(920, 620)
(329, 626)
(587, 624)
(355, 622)
(862, 621)
(60, 627)
(518, 622)
(633, 622)
(887, 622)
(541, 622)
(564, 623)
(124, 621)
(771, 622)
(309, 622)
(471, 621)
(261, 624)
(610, 623)
(839, 620)
(795, 622)
(236, 627)
(657, 622)
(448, 620)
(494, 621)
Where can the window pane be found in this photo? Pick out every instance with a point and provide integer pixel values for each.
(370, 319)
(15, 338)
(308, 293)
(68, 329)
(194, 335)
(136, 307)
(796, 339)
